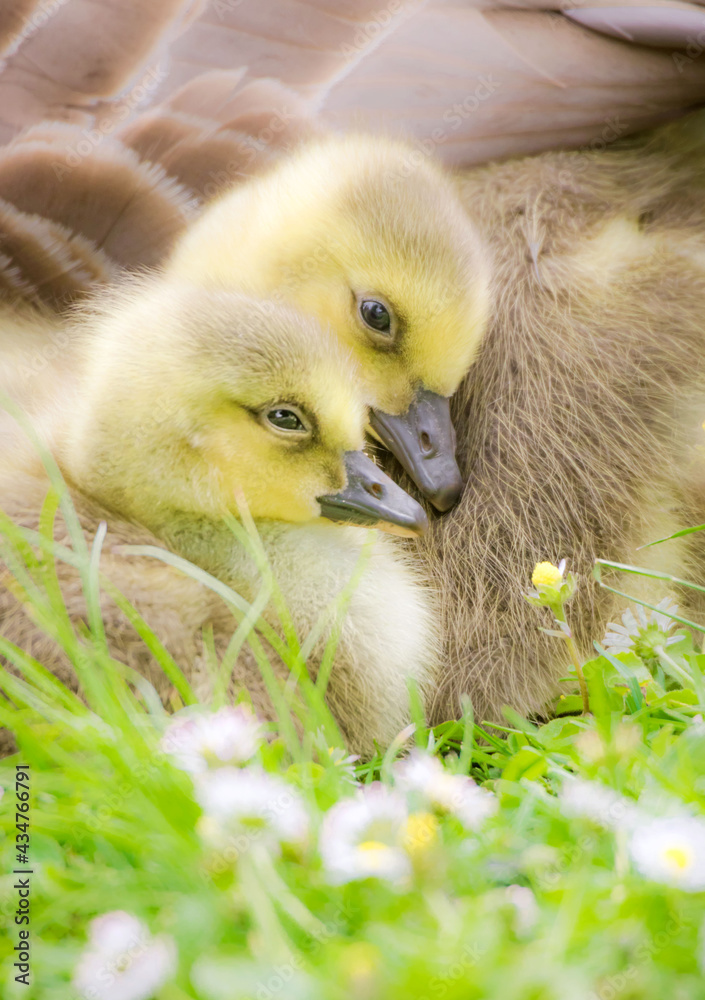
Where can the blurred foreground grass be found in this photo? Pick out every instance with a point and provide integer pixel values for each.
(209, 858)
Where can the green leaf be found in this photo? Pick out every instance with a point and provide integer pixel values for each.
(528, 763)
(568, 704)
(635, 698)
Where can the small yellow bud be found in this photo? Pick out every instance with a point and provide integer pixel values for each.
(546, 575)
(420, 832)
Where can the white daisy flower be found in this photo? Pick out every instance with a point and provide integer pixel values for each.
(123, 961)
(602, 805)
(671, 851)
(361, 837)
(242, 806)
(425, 777)
(197, 740)
(345, 763)
(642, 630)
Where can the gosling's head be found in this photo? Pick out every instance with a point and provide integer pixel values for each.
(370, 236)
(194, 401)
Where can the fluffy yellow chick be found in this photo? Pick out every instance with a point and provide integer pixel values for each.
(183, 404)
(370, 236)
(193, 401)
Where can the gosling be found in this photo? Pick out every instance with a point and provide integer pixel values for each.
(187, 404)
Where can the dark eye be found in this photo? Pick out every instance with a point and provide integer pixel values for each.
(285, 420)
(375, 315)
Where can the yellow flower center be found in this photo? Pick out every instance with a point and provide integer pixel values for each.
(678, 858)
(546, 575)
(376, 854)
(372, 845)
(420, 832)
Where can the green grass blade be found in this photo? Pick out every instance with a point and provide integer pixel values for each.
(676, 534)
(155, 646)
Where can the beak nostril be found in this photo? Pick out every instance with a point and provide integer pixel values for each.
(423, 440)
(372, 500)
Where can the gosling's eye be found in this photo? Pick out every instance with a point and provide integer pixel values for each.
(380, 323)
(285, 420)
(376, 315)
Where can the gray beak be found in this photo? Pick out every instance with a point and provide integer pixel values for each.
(423, 440)
(373, 500)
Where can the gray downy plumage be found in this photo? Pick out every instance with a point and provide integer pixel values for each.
(579, 423)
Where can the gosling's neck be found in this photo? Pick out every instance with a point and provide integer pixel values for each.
(204, 539)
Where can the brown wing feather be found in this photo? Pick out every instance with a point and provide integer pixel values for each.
(72, 214)
(66, 53)
(44, 262)
(543, 80)
(151, 137)
(198, 153)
